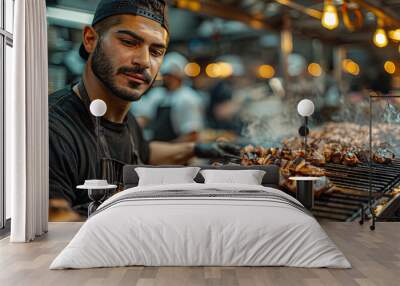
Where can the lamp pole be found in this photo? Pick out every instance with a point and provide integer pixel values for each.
(305, 108)
(98, 108)
(305, 135)
(97, 139)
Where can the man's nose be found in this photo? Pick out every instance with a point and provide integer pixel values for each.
(142, 57)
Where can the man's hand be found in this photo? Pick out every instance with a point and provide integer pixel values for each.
(60, 210)
(217, 150)
(162, 153)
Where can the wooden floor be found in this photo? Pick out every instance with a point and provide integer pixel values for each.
(375, 257)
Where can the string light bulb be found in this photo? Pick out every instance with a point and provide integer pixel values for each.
(330, 19)
(394, 35)
(380, 38)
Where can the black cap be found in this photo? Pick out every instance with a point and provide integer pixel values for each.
(107, 8)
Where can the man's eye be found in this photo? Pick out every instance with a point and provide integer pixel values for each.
(157, 53)
(129, 42)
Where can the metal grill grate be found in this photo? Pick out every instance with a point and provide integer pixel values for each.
(350, 191)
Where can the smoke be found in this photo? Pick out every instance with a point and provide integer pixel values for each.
(386, 119)
(391, 114)
(268, 121)
(353, 110)
(259, 130)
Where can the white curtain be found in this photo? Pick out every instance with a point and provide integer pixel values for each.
(27, 123)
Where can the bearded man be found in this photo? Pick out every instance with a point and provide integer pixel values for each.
(124, 48)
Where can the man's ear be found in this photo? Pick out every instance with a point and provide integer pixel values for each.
(89, 38)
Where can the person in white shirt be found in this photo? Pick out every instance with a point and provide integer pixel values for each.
(175, 111)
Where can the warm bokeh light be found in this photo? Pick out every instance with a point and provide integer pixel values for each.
(189, 4)
(394, 35)
(213, 70)
(390, 67)
(220, 69)
(314, 69)
(182, 3)
(225, 69)
(330, 19)
(380, 39)
(194, 6)
(256, 24)
(287, 41)
(266, 71)
(350, 67)
(192, 69)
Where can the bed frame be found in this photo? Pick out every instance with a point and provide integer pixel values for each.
(271, 178)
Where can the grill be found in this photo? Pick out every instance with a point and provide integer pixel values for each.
(350, 189)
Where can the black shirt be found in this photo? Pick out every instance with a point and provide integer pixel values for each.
(219, 94)
(72, 146)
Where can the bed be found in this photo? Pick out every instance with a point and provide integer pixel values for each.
(197, 224)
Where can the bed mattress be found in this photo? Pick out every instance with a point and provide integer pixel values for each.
(201, 225)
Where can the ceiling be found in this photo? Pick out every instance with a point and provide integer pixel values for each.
(301, 16)
(182, 23)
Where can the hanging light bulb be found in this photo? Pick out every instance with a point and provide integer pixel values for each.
(394, 35)
(380, 38)
(330, 19)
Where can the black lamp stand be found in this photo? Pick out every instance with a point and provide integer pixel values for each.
(304, 131)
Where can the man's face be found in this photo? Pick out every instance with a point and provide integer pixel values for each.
(128, 56)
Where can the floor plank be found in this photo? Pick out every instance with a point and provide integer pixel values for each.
(375, 257)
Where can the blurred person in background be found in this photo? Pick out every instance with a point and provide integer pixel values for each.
(175, 111)
(223, 108)
(329, 96)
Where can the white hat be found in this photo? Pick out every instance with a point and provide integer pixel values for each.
(296, 64)
(174, 63)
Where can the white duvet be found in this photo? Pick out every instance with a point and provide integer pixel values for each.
(200, 231)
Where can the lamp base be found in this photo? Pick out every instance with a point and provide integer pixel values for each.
(305, 193)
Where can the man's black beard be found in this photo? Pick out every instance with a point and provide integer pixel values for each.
(104, 71)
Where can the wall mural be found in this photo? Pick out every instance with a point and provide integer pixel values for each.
(203, 90)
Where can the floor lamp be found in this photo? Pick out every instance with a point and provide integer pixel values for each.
(98, 108)
(305, 108)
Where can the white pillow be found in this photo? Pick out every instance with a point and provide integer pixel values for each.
(163, 176)
(248, 177)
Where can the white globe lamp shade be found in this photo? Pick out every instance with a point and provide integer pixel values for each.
(305, 107)
(98, 107)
